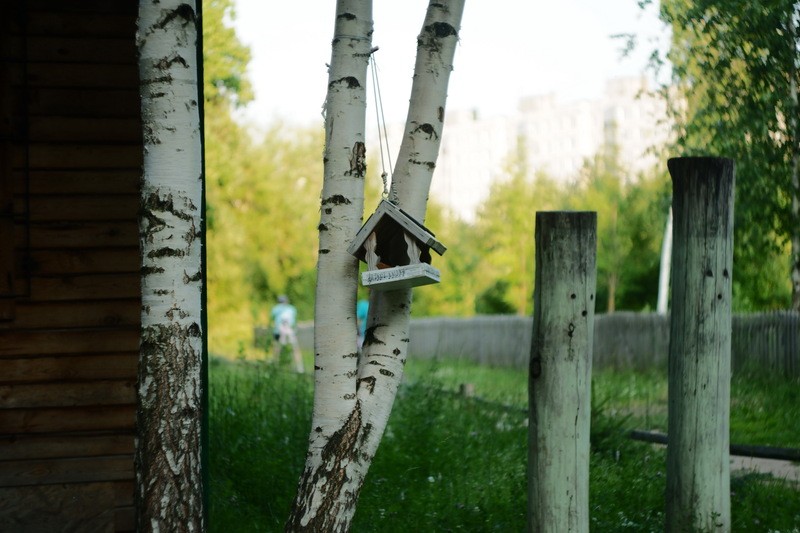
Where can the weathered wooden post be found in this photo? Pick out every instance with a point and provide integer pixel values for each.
(559, 382)
(698, 469)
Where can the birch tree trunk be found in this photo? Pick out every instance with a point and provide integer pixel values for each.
(326, 492)
(354, 397)
(169, 484)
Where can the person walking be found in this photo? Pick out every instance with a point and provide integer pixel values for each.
(284, 321)
(362, 310)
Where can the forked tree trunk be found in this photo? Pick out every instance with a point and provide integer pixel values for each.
(698, 469)
(169, 484)
(353, 397)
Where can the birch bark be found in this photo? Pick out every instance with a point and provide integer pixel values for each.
(353, 398)
(325, 492)
(386, 341)
(169, 485)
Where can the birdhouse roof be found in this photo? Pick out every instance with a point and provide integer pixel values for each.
(378, 222)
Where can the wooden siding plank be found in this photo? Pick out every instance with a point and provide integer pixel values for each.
(96, 49)
(33, 421)
(127, 8)
(79, 470)
(69, 368)
(123, 493)
(84, 102)
(81, 341)
(124, 313)
(82, 181)
(82, 129)
(53, 420)
(67, 394)
(76, 75)
(66, 208)
(80, 24)
(73, 507)
(84, 156)
(27, 447)
(85, 261)
(85, 287)
(124, 518)
(83, 234)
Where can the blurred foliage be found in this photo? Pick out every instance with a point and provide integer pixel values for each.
(631, 216)
(225, 59)
(733, 93)
(504, 229)
(263, 209)
(632, 211)
(262, 199)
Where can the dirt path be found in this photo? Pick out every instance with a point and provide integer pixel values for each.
(777, 468)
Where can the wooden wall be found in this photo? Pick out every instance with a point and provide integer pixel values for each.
(70, 157)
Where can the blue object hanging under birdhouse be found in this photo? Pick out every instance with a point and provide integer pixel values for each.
(396, 249)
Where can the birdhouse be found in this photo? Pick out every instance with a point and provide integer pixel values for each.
(396, 249)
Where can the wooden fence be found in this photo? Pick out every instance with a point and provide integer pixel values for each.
(770, 341)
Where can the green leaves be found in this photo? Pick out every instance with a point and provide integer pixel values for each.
(262, 198)
(225, 58)
(735, 66)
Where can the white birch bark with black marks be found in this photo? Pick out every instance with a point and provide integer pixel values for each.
(698, 467)
(354, 397)
(169, 483)
(324, 492)
(387, 338)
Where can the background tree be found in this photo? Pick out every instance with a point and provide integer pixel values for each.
(455, 295)
(601, 188)
(631, 212)
(735, 70)
(504, 229)
(259, 244)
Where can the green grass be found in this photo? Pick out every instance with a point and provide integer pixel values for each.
(450, 463)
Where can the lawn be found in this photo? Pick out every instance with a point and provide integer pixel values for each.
(449, 462)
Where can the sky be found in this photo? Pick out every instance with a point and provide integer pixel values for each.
(508, 49)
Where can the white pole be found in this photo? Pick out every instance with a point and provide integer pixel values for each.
(666, 259)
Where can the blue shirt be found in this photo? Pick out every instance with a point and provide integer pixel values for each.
(362, 310)
(283, 313)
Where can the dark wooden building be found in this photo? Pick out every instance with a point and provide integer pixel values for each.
(70, 163)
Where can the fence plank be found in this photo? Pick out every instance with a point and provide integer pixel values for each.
(622, 340)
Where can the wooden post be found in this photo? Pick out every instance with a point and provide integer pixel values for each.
(559, 382)
(698, 469)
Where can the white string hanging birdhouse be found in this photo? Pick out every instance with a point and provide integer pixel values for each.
(396, 249)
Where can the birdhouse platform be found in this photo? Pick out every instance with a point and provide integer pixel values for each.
(396, 249)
